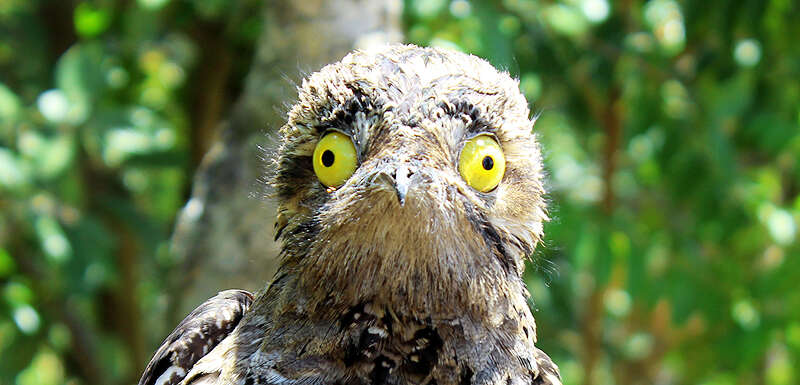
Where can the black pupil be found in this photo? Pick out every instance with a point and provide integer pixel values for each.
(488, 163)
(327, 158)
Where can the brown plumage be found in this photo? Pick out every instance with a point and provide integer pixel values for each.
(404, 274)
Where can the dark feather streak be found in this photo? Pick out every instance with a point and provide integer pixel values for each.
(197, 334)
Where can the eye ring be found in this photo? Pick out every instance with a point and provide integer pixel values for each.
(482, 163)
(335, 159)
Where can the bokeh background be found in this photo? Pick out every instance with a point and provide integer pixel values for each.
(133, 133)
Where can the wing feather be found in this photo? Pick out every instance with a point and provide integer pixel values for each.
(548, 370)
(198, 333)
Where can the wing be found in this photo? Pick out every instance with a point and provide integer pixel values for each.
(195, 336)
(548, 370)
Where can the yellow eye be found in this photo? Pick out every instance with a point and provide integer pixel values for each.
(334, 159)
(482, 163)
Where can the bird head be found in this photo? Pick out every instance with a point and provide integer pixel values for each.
(409, 175)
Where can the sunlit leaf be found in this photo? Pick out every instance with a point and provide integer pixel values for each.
(566, 20)
(27, 319)
(14, 174)
(153, 4)
(17, 294)
(9, 107)
(79, 74)
(45, 369)
(427, 8)
(91, 21)
(7, 265)
(52, 239)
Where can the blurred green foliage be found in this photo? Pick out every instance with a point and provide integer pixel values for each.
(671, 133)
(96, 152)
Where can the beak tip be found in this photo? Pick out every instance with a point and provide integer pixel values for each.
(401, 195)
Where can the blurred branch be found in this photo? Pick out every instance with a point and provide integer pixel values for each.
(605, 110)
(603, 105)
(123, 311)
(612, 125)
(128, 315)
(56, 16)
(591, 334)
(208, 88)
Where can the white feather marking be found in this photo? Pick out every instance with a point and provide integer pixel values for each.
(551, 379)
(378, 331)
(169, 373)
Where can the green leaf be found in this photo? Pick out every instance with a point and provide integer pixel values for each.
(428, 9)
(152, 4)
(91, 21)
(7, 265)
(45, 369)
(79, 74)
(14, 173)
(52, 239)
(49, 156)
(27, 319)
(17, 294)
(566, 20)
(9, 108)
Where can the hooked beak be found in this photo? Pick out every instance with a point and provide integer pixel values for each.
(400, 179)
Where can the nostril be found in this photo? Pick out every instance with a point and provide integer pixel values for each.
(403, 172)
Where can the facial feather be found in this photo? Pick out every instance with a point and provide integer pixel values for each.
(450, 247)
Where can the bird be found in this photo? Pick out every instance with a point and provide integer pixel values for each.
(410, 191)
